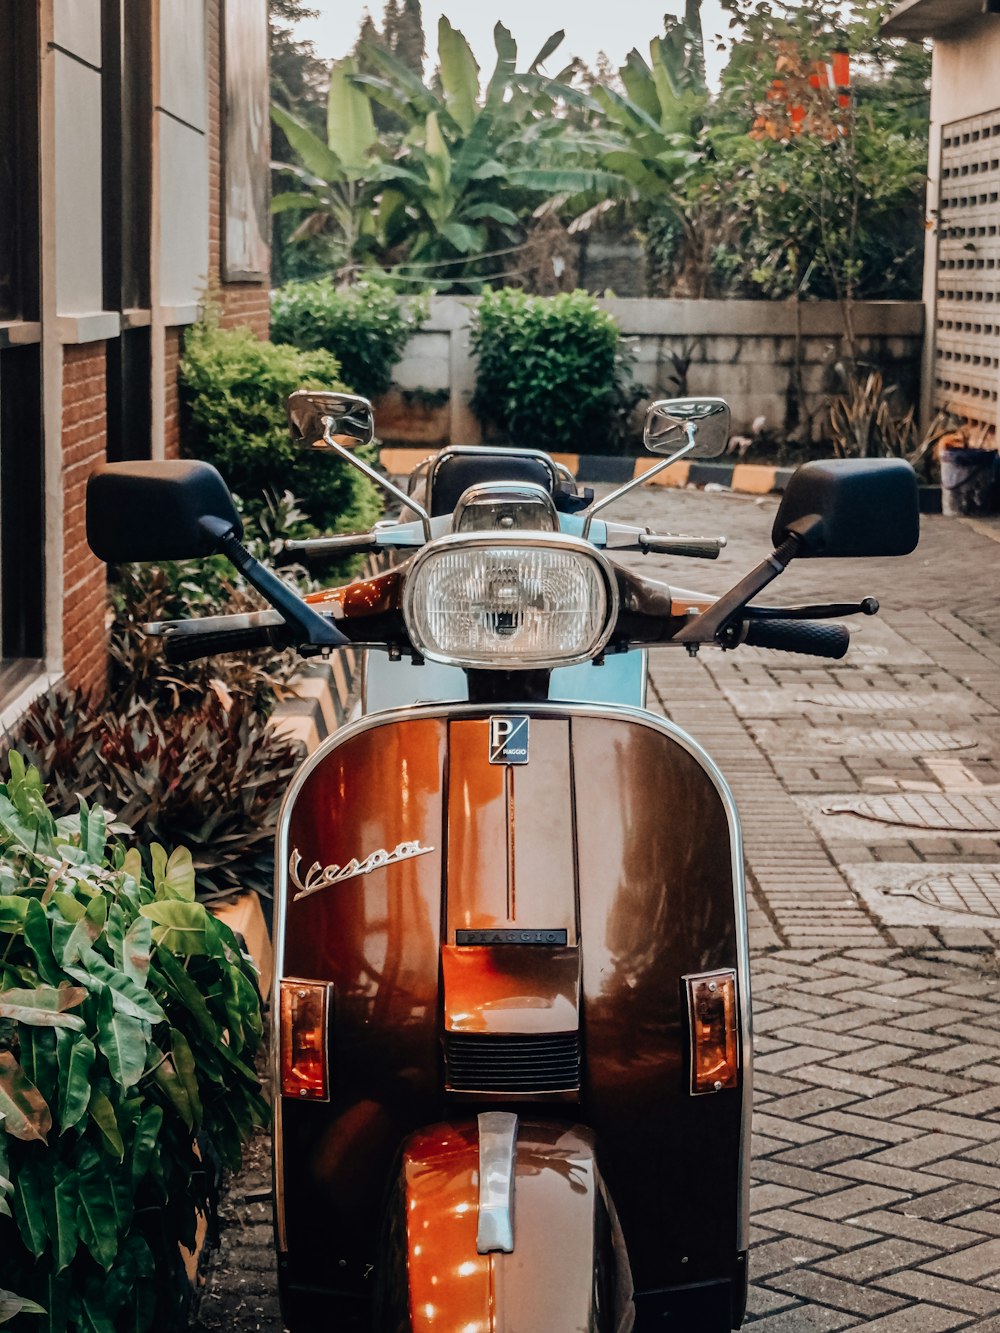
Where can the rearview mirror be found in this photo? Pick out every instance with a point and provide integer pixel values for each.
(174, 510)
(851, 507)
(672, 423)
(352, 418)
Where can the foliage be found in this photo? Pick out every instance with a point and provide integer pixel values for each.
(129, 1026)
(365, 327)
(552, 372)
(210, 777)
(475, 159)
(298, 83)
(466, 166)
(829, 202)
(866, 423)
(664, 150)
(175, 590)
(234, 388)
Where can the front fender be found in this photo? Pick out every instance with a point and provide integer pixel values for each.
(568, 1271)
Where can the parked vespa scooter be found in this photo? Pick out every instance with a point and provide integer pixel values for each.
(512, 1040)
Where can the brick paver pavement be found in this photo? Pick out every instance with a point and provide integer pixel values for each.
(876, 1196)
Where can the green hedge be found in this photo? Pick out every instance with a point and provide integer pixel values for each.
(553, 372)
(366, 327)
(234, 388)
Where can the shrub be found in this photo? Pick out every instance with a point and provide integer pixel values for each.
(210, 777)
(234, 391)
(366, 327)
(552, 371)
(129, 1026)
(175, 590)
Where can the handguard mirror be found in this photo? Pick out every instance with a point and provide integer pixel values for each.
(672, 423)
(850, 507)
(351, 417)
(170, 510)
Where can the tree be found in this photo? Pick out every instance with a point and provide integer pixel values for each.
(298, 83)
(474, 160)
(410, 45)
(337, 176)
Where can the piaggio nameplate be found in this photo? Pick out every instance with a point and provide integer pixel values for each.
(507, 936)
(509, 740)
(323, 877)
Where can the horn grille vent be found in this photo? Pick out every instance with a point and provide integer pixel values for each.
(512, 1064)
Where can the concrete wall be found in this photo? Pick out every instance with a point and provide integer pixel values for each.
(744, 351)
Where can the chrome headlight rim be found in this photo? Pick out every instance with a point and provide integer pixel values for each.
(459, 541)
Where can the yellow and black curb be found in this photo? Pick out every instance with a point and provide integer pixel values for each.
(748, 478)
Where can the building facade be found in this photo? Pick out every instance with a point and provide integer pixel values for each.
(133, 181)
(962, 266)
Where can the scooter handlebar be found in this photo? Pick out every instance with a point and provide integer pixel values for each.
(799, 636)
(187, 641)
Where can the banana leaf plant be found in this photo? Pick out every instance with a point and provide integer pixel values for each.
(129, 1026)
(477, 159)
(474, 160)
(336, 182)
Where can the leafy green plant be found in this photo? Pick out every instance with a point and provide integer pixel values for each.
(210, 777)
(129, 1026)
(366, 327)
(234, 389)
(867, 423)
(552, 371)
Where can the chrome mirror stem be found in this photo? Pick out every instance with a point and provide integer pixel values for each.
(637, 481)
(408, 501)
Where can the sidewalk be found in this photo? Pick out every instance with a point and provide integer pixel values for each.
(870, 797)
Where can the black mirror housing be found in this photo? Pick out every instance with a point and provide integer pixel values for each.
(170, 510)
(850, 507)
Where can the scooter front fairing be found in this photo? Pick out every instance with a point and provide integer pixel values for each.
(506, 905)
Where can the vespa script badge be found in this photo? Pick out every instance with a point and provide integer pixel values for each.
(323, 877)
(509, 740)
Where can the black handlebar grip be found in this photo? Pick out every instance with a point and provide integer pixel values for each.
(694, 548)
(799, 636)
(187, 645)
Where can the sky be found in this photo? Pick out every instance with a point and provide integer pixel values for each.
(590, 27)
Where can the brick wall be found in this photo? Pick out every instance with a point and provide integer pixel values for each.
(173, 342)
(84, 438)
(244, 304)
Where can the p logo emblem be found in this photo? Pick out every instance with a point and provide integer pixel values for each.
(508, 740)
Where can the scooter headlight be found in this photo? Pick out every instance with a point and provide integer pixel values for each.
(518, 602)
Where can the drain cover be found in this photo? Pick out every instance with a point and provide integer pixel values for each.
(947, 814)
(976, 891)
(895, 742)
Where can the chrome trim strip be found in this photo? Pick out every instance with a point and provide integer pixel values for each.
(497, 1135)
(619, 711)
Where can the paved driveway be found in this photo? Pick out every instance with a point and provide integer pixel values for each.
(870, 796)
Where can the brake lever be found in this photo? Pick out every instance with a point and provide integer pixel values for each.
(823, 611)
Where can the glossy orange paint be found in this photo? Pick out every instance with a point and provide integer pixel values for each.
(656, 903)
(376, 937)
(508, 988)
(451, 1287)
(619, 836)
(564, 1234)
(364, 597)
(510, 845)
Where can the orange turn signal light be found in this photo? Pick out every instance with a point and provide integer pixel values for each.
(714, 1027)
(304, 1028)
